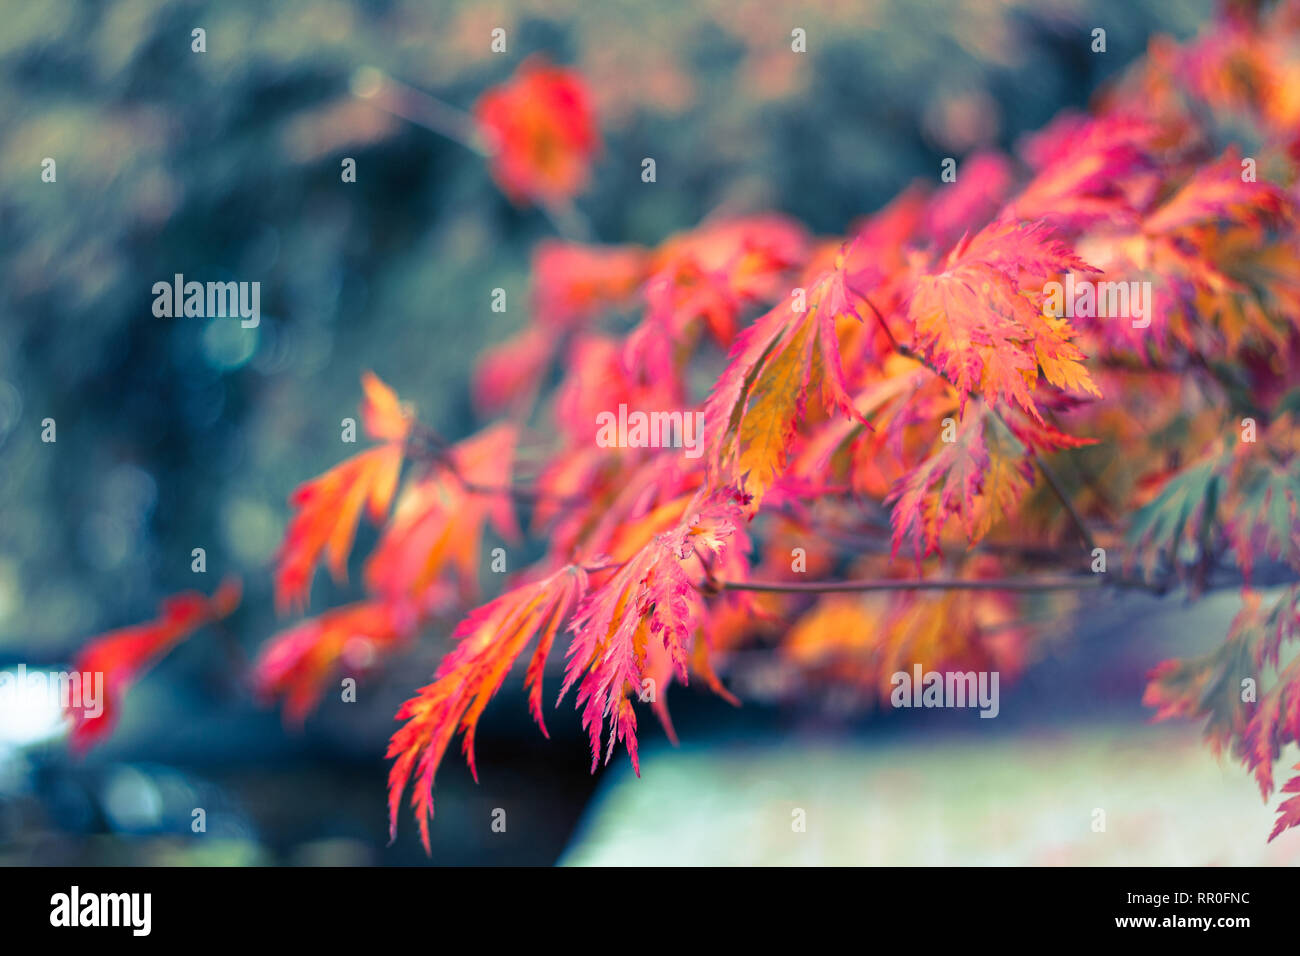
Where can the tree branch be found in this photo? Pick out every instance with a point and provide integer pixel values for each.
(1022, 584)
(1025, 584)
(416, 106)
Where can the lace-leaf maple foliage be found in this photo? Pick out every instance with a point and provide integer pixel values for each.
(906, 407)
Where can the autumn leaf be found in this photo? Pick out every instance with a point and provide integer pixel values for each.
(981, 320)
(653, 596)
(1089, 171)
(1218, 192)
(1176, 527)
(863, 640)
(383, 415)
(976, 476)
(1289, 809)
(437, 527)
(328, 508)
(753, 411)
(715, 271)
(971, 202)
(1218, 253)
(122, 656)
(639, 372)
(297, 663)
(541, 132)
(1263, 515)
(489, 642)
(572, 281)
(900, 386)
(1212, 687)
(511, 371)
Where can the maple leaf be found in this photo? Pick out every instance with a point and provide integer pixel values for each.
(1219, 275)
(574, 281)
(1275, 722)
(541, 131)
(1210, 687)
(604, 374)
(329, 507)
(1225, 67)
(712, 272)
(512, 371)
(978, 477)
(981, 320)
(122, 656)
(1207, 687)
(1262, 514)
(652, 596)
(1219, 193)
(962, 284)
(490, 639)
(438, 523)
(757, 404)
(1176, 527)
(297, 663)
(902, 399)
(970, 202)
(1289, 809)
(1255, 307)
(649, 500)
(1089, 171)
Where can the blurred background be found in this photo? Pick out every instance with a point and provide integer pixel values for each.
(183, 433)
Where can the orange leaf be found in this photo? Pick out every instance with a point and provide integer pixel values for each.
(296, 663)
(122, 656)
(329, 507)
(438, 524)
(541, 131)
(490, 640)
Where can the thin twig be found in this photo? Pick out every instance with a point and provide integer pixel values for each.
(1054, 483)
(901, 349)
(522, 492)
(1080, 582)
(1023, 584)
(568, 220)
(394, 96)
(426, 445)
(400, 99)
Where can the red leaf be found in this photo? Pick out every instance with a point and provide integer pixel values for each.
(650, 597)
(329, 507)
(490, 640)
(541, 131)
(1289, 809)
(297, 663)
(122, 656)
(981, 319)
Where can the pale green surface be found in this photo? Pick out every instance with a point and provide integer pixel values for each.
(976, 801)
